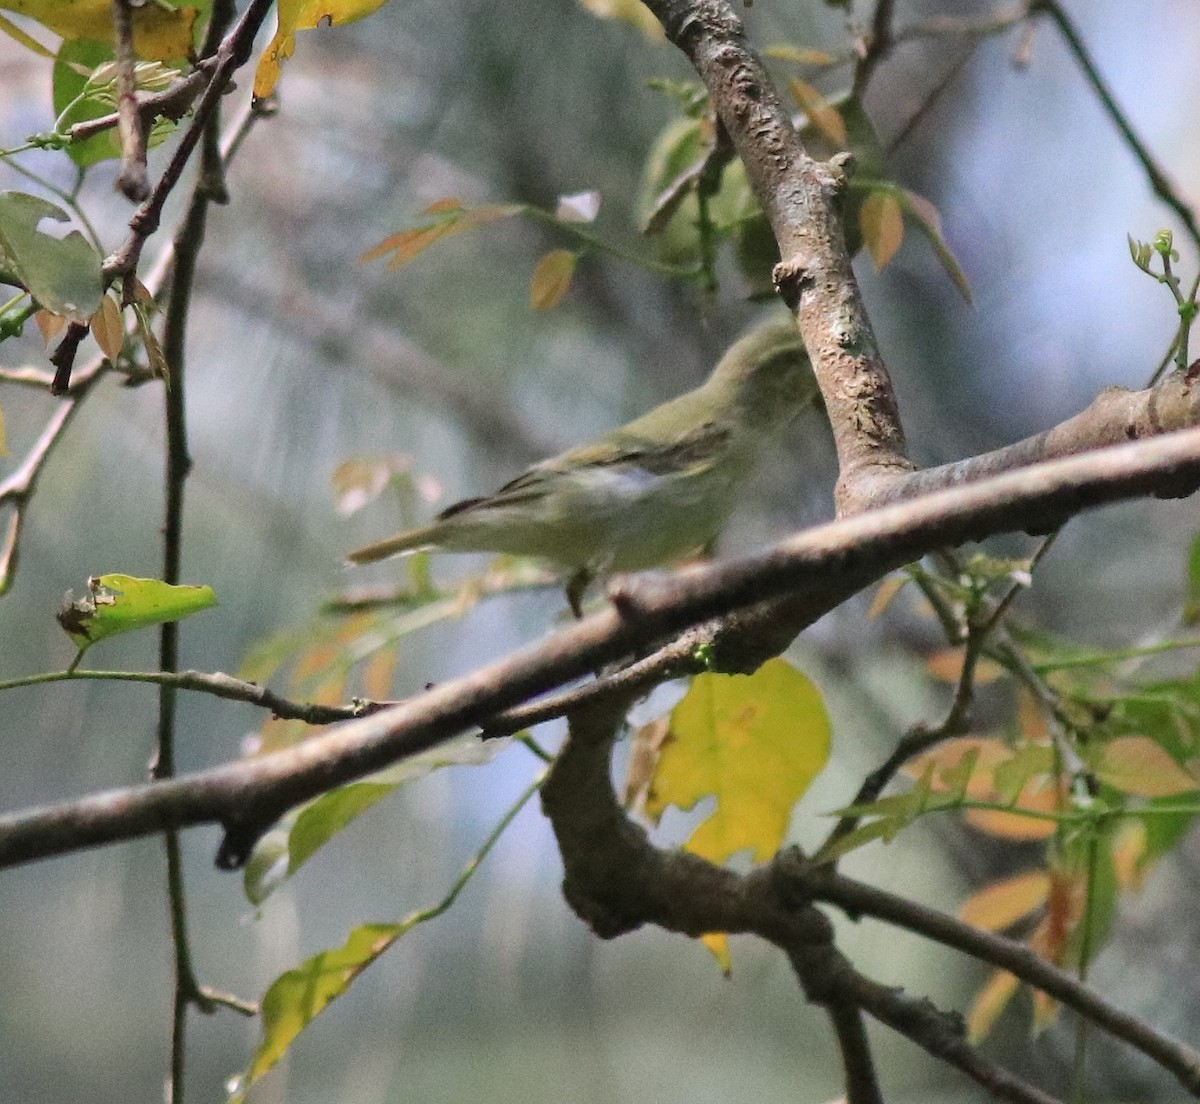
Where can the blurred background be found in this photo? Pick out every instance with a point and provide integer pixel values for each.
(301, 359)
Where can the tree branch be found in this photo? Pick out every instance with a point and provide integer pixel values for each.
(800, 198)
(814, 569)
(616, 881)
(814, 882)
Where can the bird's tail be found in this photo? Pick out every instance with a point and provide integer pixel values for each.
(412, 540)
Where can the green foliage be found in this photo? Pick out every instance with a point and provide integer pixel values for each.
(62, 274)
(298, 996)
(307, 828)
(120, 603)
(1186, 305)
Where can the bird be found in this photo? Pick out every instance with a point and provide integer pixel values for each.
(645, 494)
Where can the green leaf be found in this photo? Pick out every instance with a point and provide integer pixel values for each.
(70, 105)
(1191, 602)
(121, 603)
(297, 997)
(300, 995)
(293, 841)
(62, 274)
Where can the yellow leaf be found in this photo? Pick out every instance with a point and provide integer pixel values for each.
(1129, 854)
(633, 12)
(301, 15)
(991, 1000)
(108, 329)
(718, 946)
(1002, 904)
(882, 224)
(160, 32)
(755, 742)
(3, 439)
(821, 113)
(1137, 765)
(551, 278)
(28, 41)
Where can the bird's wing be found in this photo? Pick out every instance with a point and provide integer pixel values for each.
(694, 448)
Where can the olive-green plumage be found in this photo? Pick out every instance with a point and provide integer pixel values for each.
(644, 494)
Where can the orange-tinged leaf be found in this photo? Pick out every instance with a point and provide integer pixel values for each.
(1037, 794)
(407, 244)
(800, 55)
(49, 325)
(552, 278)
(108, 329)
(1129, 848)
(882, 224)
(645, 747)
(755, 742)
(885, 594)
(452, 219)
(1048, 940)
(929, 222)
(377, 674)
(302, 15)
(1002, 904)
(947, 665)
(161, 32)
(989, 1003)
(1137, 765)
(823, 115)
(1031, 721)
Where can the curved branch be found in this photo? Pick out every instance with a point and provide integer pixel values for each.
(818, 883)
(616, 881)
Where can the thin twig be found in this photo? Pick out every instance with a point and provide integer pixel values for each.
(1159, 181)
(859, 899)
(879, 45)
(188, 240)
(218, 685)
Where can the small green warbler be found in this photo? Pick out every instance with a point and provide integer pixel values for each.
(644, 494)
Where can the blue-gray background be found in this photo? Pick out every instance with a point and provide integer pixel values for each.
(300, 358)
